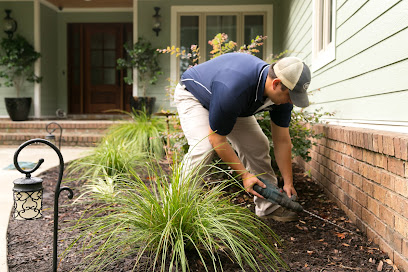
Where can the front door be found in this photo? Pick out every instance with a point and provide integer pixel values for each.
(94, 83)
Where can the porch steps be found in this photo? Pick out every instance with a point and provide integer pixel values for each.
(74, 132)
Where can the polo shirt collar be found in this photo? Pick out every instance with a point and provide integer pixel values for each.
(261, 84)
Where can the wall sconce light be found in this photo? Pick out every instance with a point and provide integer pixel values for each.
(9, 24)
(28, 193)
(157, 21)
(51, 137)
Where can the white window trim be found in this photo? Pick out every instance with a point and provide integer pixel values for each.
(175, 10)
(328, 54)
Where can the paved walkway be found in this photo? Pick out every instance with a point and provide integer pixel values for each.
(28, 154)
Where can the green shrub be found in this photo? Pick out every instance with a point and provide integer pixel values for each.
(170, 219)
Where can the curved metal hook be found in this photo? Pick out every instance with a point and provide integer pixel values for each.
(52, 123)
(70, 192)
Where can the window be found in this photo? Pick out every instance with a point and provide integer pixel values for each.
(199, 24)
(324, 18)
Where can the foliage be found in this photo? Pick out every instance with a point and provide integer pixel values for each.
(108, 158)
(170, 219)
(144, 58)
(17, 60)
(221, 45)
(124, 146)
(300, 129)
(143, 133)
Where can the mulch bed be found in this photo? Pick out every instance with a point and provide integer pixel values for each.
(309, 244)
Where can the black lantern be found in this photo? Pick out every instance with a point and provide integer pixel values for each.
(157, 21)
(28, 193)
(51, 137)
(9, 24)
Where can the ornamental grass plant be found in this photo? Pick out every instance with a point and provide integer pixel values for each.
(162, 223)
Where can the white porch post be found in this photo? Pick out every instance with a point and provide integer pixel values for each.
(135, 37)
(37, 65)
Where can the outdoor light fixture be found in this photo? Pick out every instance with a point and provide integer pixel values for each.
(28, 193)
(157, 21)
(51, 137)
(9, 24)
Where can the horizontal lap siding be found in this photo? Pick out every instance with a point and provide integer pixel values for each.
(367, 79)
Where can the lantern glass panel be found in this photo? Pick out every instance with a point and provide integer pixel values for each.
(28, 205)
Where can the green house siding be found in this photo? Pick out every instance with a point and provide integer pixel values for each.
(366, 81)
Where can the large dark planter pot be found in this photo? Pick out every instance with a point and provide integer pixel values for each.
(145, 104)
(18, 108)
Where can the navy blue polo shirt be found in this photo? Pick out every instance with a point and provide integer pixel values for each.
(231, 86)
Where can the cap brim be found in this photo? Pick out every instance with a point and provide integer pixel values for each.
(299, 99)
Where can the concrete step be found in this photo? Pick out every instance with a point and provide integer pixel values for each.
(74, 132)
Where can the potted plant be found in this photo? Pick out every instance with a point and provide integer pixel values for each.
(144, 58)
(17, 60)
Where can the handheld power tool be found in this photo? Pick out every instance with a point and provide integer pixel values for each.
(277, 196)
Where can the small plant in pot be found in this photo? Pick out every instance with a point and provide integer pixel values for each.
(144, 58)
(17, 60)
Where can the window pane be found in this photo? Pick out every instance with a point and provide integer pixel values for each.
(96, 76)
(254, 26)
(320, 26)
(96, 58)
(188, 37)
(109, 58)
(220, 24)
(330, 3)
(109, 76)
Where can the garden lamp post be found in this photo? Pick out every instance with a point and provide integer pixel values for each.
(28, 193)
(51, 137)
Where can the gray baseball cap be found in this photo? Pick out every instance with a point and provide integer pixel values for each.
(295, 75)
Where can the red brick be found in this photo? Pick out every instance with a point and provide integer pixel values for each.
(405, 247)
(401, 185)
(361, 198)
(384, 246)
(358, 153)
(387, 179)
(396, 166)
(387, 216)
(398, 203)
(388, 144)
(397, 147)
(375, 142)
(401, 225)
(380, 160)
(404, 148)
(367, 186)
(357, 180)
(373, 206)
(401, 261)
(368, 156)
(379, 193)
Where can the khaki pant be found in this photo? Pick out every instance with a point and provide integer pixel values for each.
(247, 139)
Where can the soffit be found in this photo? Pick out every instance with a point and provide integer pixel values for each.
(92, 3)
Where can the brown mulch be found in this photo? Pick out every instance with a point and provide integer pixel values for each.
(309, 244)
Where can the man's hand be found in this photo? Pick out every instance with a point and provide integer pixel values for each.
(249, 181)
(289, 189)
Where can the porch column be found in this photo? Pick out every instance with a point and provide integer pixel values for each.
(135, 37)
(37, 65)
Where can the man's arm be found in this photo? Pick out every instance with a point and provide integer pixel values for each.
(283, 155)
(228, 155)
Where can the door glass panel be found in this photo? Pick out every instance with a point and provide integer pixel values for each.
(220, 24)
(254, 26)
(109, 58)
(188, 37)
(109, 41)
(96, 40)
(109, 76)
(96, 58)
(96, 76)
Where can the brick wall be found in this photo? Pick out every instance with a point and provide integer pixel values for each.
(366, 173)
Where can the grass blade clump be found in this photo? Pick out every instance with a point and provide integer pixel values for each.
(143, 134)
(163, 223)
